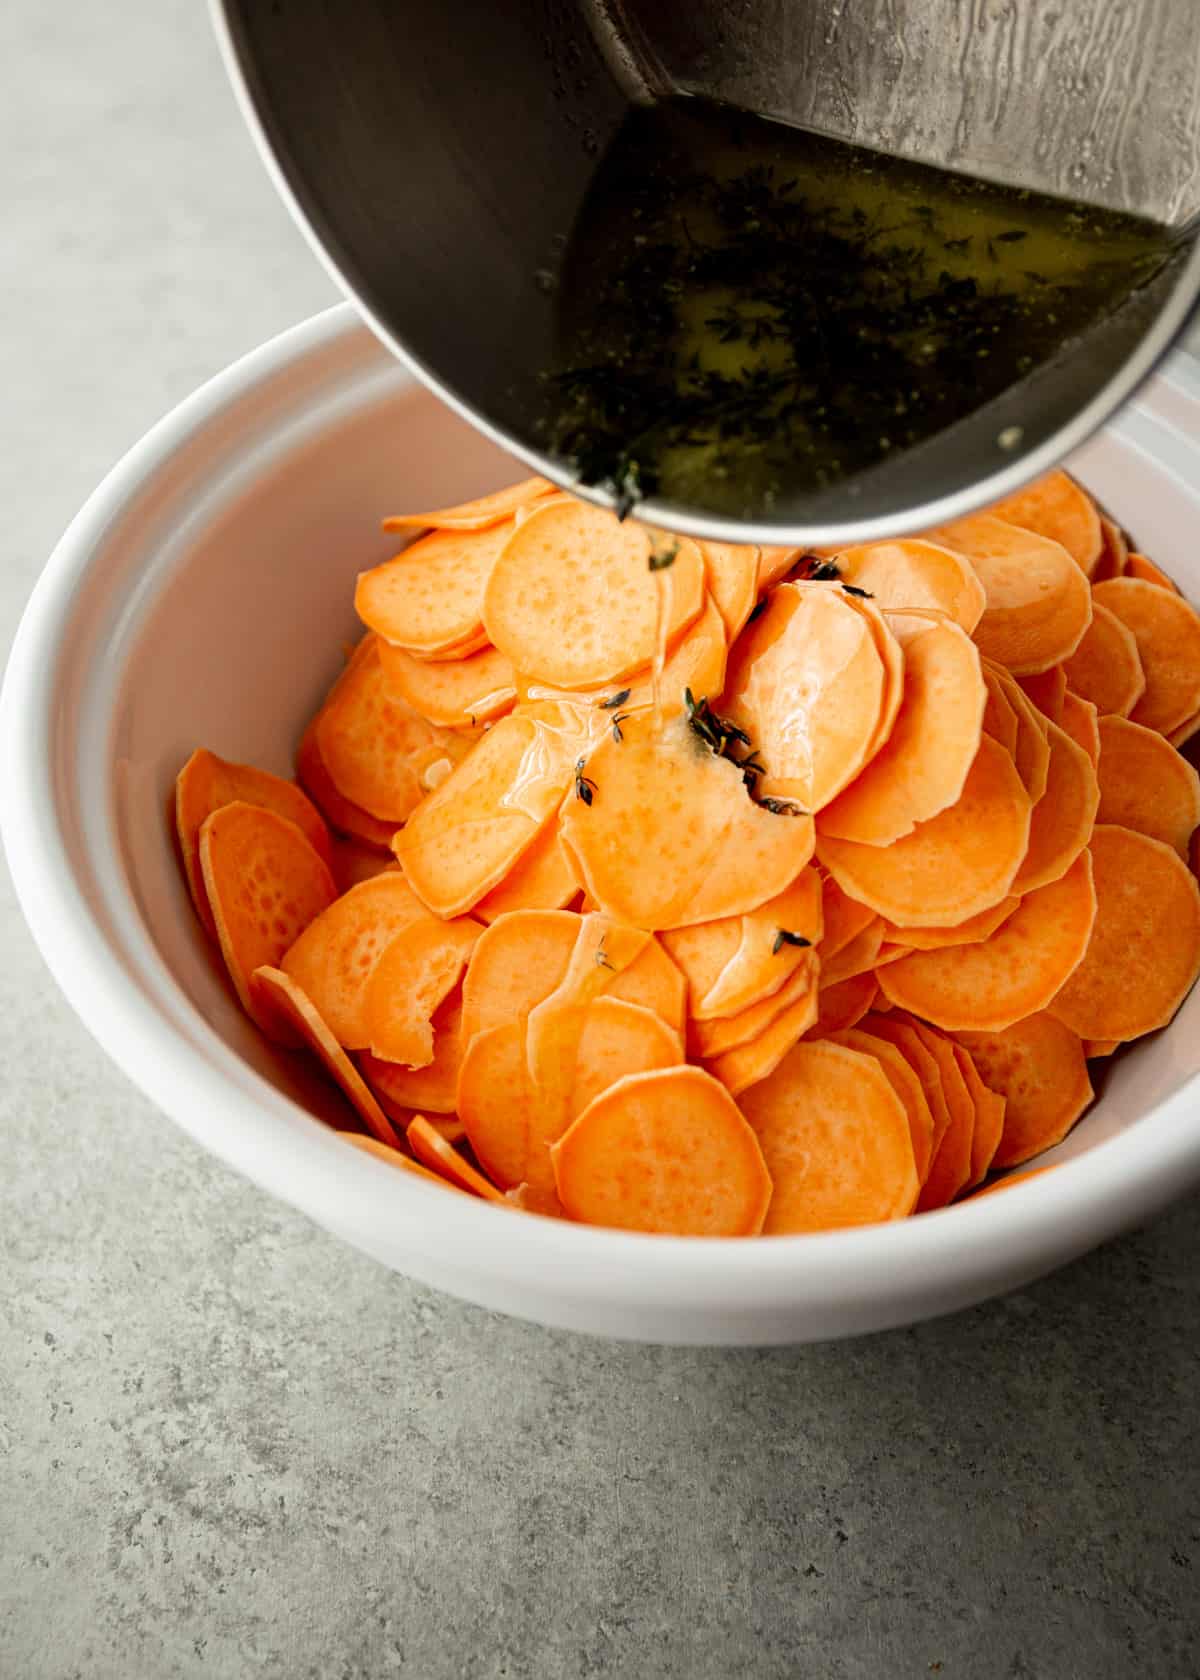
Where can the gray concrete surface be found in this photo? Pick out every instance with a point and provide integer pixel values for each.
(230, 1447)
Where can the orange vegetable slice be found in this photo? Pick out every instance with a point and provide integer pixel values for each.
(339, 813)
(1014, 973)
(478, 514)
(541, 879)
(207, 782)
(1106, 667)
(528, 1199)
(732, 573)
(969, 932)
(807, 683)
(836, 1141)
(923, 765)
(950, 1169)
(989, 1118)
(666, 1151)
(1038, 601)
(844, 1004)
(511, 1121)
(897, 1032)
(903, 1080)
(393, 1158)
(1114, 551)
(355, 861)
(746, 1064)
(264, 884)
(842, 917)
(999, 718)
(333, 958)
(859, 957)
(1144, 952)
(454, 693)
(1032, 753)
(1062, 818)
(572, 600)
(1167, 632)
(429, 598)
(418, 970)
(704, 849)
(1055, 506)
(712, 1038)
(954, 865)
(1181, 736)
(1138, 566)
(1047, 690)
(292, 1017)
(1037, 1065)
(1146, 785)
(1079, 719)
(774, 563)
(914, 573)
(432, 1151)
(402, 1090)
(736, 962)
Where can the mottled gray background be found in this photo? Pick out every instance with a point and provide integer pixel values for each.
(229, 1446)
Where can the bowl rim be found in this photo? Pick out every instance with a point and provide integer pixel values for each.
(189, 1071)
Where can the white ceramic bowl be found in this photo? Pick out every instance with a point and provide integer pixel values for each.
(202, 597)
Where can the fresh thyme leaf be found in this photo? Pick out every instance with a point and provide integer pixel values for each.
(615, 700)
(600, 956)
(785, 936)
(812, 568)
(782, 808)
(662, 558)
(618, 719)
(585, 788)
(853, 589)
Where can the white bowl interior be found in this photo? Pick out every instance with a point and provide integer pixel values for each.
(211, 608)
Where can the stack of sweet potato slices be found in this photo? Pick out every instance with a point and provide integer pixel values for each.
(707, 890)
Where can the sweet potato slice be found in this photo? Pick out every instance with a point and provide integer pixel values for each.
(1056, 507)
(1047, 691)
(572, 600)
(1138, 566)
(914, 573)
(732, 573)
(355, 861)
(969, 932)
(895, 1030)
(1181, 736)
(1097, 1048)
(774, 563)
(989, 1118)
(666, 1151)
(1106, 667)
(432, 1089)
(207, 782)
(1144, 953)
(1114, 551)
(429, 598)
(528, 1199)
(704, 849)
(1062, 818)
(541, 879)
(807, 684)
(958, 863)
(264, 884)
(380, 754)
(1146, 785)
(923, 765)
(291, 1016)
(470, 832)
(511, 1124)
(736, 962)
(844, 1004)
(1014, 973)
(418, 970)
(432, 1151)
(1038, 601)
(332, 959)
(393, 1158)
(1079, 719)
(713, 1038)
(1037, 1065)
(340, 813)
(1167, 632)
(858, 957)
(1032, 752)
(746, 1064)
(454, 693)
(842, 917)
(836, 1141)
(903, 1080)
(476, 515)
(950, 1169)
(999, 718)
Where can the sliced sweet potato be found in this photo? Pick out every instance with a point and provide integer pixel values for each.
(1062, 818)
(842, 917)
(339, 813)
(393, 1157)
(969, 932)
(418, 970)
(541, 879)
(1047, 690)
(332, 959)
(914, 573)
(835, 1138)
(950, 1169)
(732, 573)
(264, 884)
(1144, 953)
(1079, 719)
(999, 718)
(923, 765)
(528, 1199)
(355, 861)
(807, 684)
(1146, 785)
(774, 563)
(845, 1004)
(894, 1029)
(1167, 632)
(1114, 551)
(454, 693)
(1037, 1065)
(475, 515)
(958, 863)
(704, 849)
(1181, 736)
(1106, 667)
(666, 1151)
(858, 957)
(1097, 1048)
(291, 1016)
(470, 832)
(734, 963)
(207, 782)
(1032, 752)
(1038, 601)
(429, 598)
(1056, 507)
(432, 1151)
(746, 1064)
(1138, 566)
(431, 1089)
(989, 1118)
(903, 1080)
(572, 600)
(1014, 973)
(713, 1038)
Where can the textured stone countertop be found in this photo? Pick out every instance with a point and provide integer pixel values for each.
(230, 1446)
